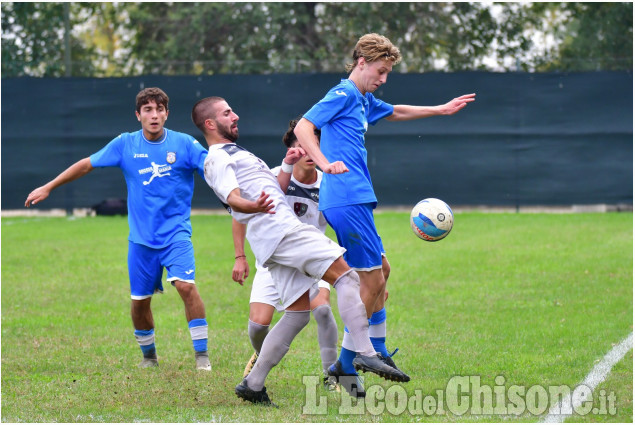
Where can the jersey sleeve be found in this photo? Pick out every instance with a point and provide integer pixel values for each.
(378, 109)
(110, 155)
(198, 154)
(328, 108)
(220, 174)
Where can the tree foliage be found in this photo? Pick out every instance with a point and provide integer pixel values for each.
(118, 39)
(599, 38)
(33, 40)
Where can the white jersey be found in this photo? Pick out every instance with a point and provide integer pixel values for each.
(304, 200)
(229, 166)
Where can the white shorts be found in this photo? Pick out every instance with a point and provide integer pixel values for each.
(263, 290)
(299, 262)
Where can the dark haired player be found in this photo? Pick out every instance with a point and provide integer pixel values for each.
(158, 165)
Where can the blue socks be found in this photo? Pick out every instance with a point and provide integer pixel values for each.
(346, 360)
(198, 331)
(146, 342)
(377, 331)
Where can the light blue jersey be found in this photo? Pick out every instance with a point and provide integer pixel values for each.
(343, 116)
(160, 180)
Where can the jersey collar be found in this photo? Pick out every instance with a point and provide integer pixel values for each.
(156, 142)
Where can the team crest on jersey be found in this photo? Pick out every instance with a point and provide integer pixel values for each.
(171, 158)
(299, 208)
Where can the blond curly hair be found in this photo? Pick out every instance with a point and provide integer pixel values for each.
(374, 47)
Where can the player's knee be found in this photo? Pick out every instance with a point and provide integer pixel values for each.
(140, 306)
(300, 318)
(185, 289)
(350, 277)
(336, 270)
(385, 268)
(322, 298)
(261, 317)
(322, 313)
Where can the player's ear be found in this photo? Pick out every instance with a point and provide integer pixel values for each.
(138, 115)
(210, 124)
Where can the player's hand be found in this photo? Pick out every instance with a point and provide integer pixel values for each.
(39, 194)
(240, 272)
(458, 103)
(337, 167)
(264, 204)
(294, 155)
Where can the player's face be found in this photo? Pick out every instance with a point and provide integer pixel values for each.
(226, 122)
(374, 74)
(152, 118)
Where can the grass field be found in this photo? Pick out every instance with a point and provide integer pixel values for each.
(515, 300)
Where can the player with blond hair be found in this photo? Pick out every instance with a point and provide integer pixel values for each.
(347, 197)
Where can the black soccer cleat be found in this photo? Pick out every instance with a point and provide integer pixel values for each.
(376, 365)
(352, 383)
(389, 361)
(256, 397)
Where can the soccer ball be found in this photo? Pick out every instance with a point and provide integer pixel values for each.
(431, 219)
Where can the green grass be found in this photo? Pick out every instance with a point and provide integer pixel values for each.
(537, 299)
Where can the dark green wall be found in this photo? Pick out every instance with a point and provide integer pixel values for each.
(529, 139)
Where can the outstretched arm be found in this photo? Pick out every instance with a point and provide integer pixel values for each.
(75, 171)
(239, 204)
(408, 112)
(240, 272)
(305, 132)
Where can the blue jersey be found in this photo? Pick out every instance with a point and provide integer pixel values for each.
(160, 180)
(343, 116)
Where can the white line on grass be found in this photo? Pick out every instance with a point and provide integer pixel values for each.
(597, 375)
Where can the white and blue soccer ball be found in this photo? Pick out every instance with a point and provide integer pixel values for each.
(431, 219)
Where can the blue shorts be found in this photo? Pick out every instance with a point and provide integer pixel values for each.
(145, 267)
(355, 229)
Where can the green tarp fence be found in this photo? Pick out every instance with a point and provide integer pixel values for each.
(529, 139)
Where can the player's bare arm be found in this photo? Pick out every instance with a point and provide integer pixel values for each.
(239, 204)
(305, 132)
(75, 171)
(240, 272)
(409, 112)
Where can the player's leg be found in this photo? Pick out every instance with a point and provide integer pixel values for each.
(378, 321)
(363, 254)
(353, 314)
(144, 270)
(327, 330)
(260, 316)
(293, 283)
(262, 303)
(274, 347)
(178, 260)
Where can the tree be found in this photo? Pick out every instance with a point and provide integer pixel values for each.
(33, 41)
(183, 38)
(598, 37)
